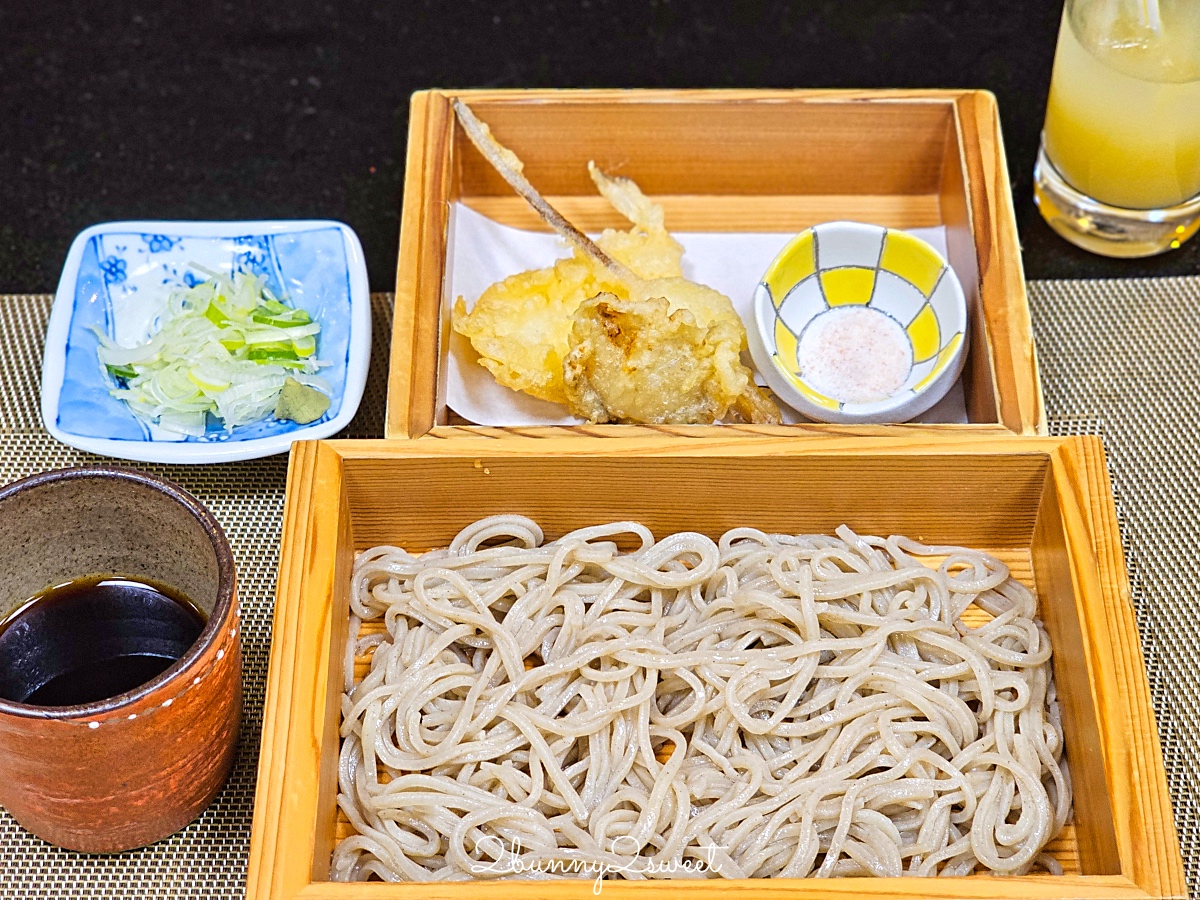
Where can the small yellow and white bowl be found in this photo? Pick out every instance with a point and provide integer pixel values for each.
(842, 265)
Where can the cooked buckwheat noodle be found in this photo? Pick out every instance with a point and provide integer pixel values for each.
(762, 706)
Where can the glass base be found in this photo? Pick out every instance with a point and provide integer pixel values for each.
(1109, 230)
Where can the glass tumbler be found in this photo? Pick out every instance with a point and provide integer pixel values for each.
(1118, 172)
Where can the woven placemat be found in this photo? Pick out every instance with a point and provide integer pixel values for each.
(208, 858)
(1117, 359)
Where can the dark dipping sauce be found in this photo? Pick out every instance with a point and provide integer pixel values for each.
(93, 638)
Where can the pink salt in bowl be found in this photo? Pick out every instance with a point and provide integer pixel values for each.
(857, 323)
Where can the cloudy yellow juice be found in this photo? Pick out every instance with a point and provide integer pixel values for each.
(1123, 119)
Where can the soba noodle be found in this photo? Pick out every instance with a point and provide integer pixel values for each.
(766, 705)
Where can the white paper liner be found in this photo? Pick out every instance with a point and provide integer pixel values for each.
(483, 251)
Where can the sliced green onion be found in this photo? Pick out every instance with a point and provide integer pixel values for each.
(271, 351)
(213, 314)
(273, 313)
(305, 345)
(122, 371)
(225, 347)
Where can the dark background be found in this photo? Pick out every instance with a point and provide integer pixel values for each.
(116, 110)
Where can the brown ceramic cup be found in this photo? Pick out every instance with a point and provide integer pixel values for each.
(129, 770)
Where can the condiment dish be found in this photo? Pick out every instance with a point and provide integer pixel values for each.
(895, 360)
(116, 281)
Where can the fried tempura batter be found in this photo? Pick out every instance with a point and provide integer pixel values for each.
(634, 361)
(522, 326)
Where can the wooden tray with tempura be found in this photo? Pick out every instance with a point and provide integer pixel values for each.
(720, 161)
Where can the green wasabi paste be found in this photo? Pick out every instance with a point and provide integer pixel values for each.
(300, 403)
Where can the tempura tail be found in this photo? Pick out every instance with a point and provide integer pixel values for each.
(509, 166)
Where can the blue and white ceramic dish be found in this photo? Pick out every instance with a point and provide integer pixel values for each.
(117, 278)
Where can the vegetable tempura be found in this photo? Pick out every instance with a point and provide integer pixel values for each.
(521, 326)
